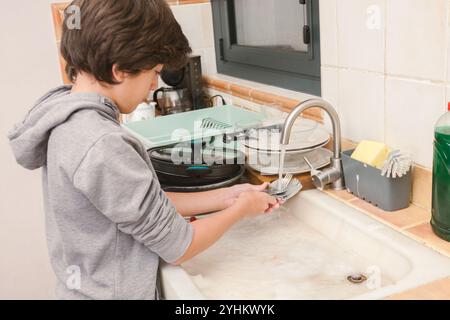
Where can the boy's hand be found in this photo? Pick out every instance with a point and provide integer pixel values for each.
(253, 203)
(232, 193)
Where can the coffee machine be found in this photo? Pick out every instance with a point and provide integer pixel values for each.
(186, 89)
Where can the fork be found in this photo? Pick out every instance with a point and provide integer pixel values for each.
(280, 185)
(287, 179)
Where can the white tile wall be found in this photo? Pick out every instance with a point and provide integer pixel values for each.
(209, 61)
(412, 109)
(330, 90)
(328, 32)
(447, 97)
(361, 31)
(361, 105)
(389, 82)
(197, 24)
(417, 38)
(447, 76)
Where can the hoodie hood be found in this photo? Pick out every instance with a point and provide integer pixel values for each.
(29, 138)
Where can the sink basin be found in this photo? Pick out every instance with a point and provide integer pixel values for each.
(309, 250)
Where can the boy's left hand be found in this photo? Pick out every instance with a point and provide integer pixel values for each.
(232, 193)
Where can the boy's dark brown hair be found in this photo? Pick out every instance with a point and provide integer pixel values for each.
(134, 34)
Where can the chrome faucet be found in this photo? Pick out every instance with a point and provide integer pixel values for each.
(334, 173)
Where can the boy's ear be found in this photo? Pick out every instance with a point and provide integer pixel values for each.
(118, 75)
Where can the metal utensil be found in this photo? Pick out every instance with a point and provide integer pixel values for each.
(314, 171)
(210, 123)
(280, 185)
(294, 187)
(287, 179)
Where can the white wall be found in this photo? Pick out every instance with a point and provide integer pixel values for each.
(29, 60)
(385, 68)
(196, 22)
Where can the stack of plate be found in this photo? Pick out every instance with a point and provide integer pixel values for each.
(307, 139)
(294, 163)
(306, 135)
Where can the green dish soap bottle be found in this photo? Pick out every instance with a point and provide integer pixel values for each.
(440, 212)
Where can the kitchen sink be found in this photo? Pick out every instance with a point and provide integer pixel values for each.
(315, 248)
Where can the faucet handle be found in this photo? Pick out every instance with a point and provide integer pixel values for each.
(313, 170)
(322, 178)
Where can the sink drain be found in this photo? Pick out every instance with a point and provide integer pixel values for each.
(357, 278)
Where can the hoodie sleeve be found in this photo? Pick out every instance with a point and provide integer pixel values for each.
(120, 184)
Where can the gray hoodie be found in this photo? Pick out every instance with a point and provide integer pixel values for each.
(107, 219)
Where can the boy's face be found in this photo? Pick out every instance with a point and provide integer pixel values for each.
(134, 89)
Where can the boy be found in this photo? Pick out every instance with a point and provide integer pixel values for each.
(107, 218)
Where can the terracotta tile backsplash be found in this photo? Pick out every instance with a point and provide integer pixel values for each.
(259, 96)
(421, 188)
(406, 218)
(425, 233)
(436, 290)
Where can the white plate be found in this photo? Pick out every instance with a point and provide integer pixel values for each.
(268, 164)
(277, 152)
(305, 134)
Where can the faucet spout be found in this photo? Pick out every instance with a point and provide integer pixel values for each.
(333, 174)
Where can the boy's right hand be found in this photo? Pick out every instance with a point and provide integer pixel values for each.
(253, 203)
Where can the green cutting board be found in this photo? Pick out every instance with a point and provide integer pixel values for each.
(186, 126)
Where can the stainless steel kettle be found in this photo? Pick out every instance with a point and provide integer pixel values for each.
(171, 100)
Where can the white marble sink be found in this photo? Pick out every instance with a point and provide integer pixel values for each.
(306, 252)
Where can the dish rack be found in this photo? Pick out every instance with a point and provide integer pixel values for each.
(193, 125)
(367, 183)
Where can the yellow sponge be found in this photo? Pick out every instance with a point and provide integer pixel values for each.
(371, 152)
